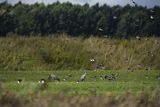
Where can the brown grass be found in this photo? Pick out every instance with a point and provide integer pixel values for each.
(63, 52)
(38, 100)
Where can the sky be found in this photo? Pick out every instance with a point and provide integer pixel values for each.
(148, 3)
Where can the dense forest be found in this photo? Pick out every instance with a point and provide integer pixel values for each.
(75, 20)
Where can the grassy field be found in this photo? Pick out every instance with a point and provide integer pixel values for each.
(134, 61)
(134, 82)
(139, 88)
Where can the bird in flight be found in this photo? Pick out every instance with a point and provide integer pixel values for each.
(134, 2)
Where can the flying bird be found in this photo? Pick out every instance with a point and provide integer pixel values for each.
(100, 29)
(115, 17)
(134, 2)
(151, 17)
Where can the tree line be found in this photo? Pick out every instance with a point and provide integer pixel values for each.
(75, 20)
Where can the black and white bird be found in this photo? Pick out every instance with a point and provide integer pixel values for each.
(19, 81)
(83, 77)
(53, 77)
(42, 81)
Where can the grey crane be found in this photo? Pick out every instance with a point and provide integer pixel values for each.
(95, 78)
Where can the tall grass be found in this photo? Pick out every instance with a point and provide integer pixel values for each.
(63, 52)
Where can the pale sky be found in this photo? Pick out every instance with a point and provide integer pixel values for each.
(148, 3)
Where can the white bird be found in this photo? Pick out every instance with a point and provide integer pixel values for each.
(100, 29)
(83, 77)
(114, 17)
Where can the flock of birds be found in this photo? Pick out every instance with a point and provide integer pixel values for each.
(53, 77)
(151, 17)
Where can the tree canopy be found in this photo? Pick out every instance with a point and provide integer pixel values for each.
(73, 19)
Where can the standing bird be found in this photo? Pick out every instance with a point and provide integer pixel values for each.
(19, 81)
(92, 60)
(42, 81)
(83, 77)
(158, 77)
(53, 77)
(95, 78)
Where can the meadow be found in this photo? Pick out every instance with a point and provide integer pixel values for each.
(134, 61)
(131, 88)
(126, 81)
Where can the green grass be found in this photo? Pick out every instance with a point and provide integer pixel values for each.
(134, 82)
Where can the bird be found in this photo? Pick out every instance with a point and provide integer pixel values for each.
(53, 77)
(138, 38)
(134, 2)
(42, 81)
(100, 29)
(95, 78)
(66, 77)
(101, 77)
(151, 17)
(158, 77)
(152, 11)
(106, 76)
(77, 82)
(83, 77)
(115, 17)
(92, 60)
(106, 36)
(19, 81)
(101, 66)
(112, 76)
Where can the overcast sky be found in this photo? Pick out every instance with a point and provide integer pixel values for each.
(148, 3)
